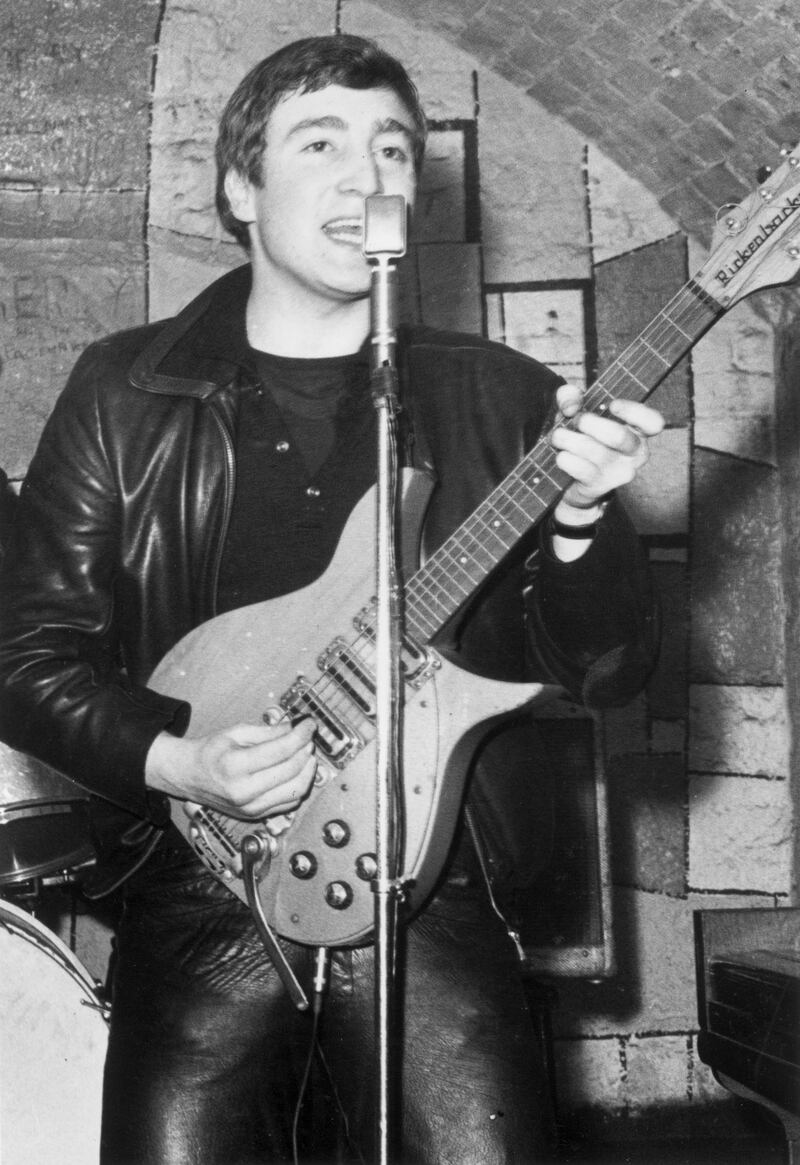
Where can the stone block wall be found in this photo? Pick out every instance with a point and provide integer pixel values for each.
(74, 114)
(552, 247)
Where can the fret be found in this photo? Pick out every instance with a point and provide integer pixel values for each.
(634, 374)
(624, 373)
(655, 352)
(474, 552)
(663, 318)
(489, 530)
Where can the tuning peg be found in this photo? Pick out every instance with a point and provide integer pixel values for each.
(763, 173)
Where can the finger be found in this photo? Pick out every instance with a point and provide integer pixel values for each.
(568, 399)
(259, 794)
(599, 467)
(594, 440)
(288, 794)
(290, 735)
(612, 435)
(246, 735)
(585, 473)
(647, 420)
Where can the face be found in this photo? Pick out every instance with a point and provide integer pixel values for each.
(325, 153)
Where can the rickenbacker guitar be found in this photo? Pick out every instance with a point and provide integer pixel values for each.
(312, 652)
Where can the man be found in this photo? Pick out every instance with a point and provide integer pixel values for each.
(204, 463)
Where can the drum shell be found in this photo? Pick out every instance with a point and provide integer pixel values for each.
(44, 820)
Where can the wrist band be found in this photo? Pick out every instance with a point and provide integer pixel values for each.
(584, 533)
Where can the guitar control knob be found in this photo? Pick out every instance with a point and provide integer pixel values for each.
(303, 865)
(367, 867)
(338, 895)
(336, 833)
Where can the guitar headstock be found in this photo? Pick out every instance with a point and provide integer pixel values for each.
(757, 243)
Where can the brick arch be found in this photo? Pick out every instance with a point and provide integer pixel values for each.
(691, 98)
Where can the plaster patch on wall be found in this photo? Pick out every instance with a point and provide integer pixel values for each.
(734, 394)
(56, 296)
(625, 215)
(658, 1070)
(547, 324)
(740, 834)
(589, 1073)
(740, 729)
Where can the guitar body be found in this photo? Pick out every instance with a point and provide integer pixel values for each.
(315, 888)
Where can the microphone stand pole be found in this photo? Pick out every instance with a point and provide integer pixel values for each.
(385, 219)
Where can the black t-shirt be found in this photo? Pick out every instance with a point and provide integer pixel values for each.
(305, 454)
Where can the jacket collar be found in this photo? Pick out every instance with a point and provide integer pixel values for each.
(204, 347)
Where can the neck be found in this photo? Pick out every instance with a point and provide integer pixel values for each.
(304, 325)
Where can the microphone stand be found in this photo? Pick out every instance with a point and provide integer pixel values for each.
(385, 218)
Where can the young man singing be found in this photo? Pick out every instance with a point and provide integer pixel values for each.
(203, 463)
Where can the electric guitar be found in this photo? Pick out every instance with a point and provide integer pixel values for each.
(308, 875)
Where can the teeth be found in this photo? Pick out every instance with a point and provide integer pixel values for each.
(350, 229)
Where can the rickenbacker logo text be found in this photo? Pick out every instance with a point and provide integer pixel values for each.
(725, 274)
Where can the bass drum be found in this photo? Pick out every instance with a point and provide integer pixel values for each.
(54, 1038)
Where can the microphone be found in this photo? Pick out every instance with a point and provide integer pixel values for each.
(385, 219)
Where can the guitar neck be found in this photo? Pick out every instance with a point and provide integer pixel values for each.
(455, 571)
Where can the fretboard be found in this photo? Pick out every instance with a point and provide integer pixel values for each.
(455, 571)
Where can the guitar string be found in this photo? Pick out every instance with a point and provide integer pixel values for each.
(689, 307)
(512, 505)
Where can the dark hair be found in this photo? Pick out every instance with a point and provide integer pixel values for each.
(304, 66)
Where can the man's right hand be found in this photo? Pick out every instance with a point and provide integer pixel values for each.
(250, 771)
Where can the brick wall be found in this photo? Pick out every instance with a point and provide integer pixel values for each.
(689, 96)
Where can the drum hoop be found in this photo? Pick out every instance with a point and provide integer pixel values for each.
(19, 922)
(38, 808)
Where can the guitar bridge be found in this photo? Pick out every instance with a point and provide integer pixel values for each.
(335, 738)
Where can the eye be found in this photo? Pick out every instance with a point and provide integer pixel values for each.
(317, 147)
(394, 153)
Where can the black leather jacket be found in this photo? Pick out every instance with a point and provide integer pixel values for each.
(122, 519)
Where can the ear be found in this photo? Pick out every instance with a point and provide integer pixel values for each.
(240, 196)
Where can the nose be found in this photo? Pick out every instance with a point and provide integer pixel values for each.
(361, 173)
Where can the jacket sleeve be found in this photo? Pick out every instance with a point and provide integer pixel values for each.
(64, 693)
(594, 623)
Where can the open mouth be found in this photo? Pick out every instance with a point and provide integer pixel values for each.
(349, 231)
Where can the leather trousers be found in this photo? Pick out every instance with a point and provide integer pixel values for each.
(207, 1053)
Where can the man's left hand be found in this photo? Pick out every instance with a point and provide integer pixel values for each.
(600, 452)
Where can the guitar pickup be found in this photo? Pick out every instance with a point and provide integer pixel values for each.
(416, 663)
(335, 738)
(351, 674)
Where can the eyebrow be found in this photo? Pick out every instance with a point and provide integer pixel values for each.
(331, 121)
